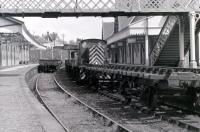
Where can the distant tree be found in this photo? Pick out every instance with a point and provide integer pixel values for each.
(54, 36)
(45, 36)
(50, 36)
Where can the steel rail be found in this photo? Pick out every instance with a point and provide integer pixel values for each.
(118, 126)
(162, 117)
(47, 107)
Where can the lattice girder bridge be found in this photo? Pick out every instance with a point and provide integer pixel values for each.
(95, 7)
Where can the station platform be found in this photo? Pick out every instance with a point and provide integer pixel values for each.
(20, 111)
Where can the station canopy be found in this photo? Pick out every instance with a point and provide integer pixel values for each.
(57, 8)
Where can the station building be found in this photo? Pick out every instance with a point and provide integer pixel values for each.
(126, 38)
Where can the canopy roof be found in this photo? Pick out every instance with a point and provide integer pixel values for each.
(16, 26)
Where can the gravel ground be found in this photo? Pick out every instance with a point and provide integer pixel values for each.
(75, 116)
(131, 118)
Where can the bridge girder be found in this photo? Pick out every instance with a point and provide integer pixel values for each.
(57, 8)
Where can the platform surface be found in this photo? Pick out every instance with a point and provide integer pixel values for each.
(20, 111)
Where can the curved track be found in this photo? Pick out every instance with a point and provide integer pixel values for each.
(47, 106)
(107, 122)
(137, 119)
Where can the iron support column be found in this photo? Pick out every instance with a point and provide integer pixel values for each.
(193, 63)
(14, 56)
(27, 54)
(61, 57)
(24, 54)
(198, 49)
(52, 53)
(11, 55)
(70, 54)
(40, 54)
(6, 53)
(28, 49)
(146, 43)
(181, 42)
(128, 60)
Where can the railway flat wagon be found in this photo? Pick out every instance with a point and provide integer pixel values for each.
(48, 66)
(152, 85)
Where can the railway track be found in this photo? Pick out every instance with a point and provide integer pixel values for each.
(171, 114)
(39, 95)
(129, 117)
(60, 102)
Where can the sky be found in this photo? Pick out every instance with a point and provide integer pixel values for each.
(69, 27)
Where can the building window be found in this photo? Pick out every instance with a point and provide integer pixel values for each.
(72, 55)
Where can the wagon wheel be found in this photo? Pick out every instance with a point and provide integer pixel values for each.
(196, 103)
(138, 85)
(152, 96)
(82, 75)
(154, 102)
(93, 81)
(124, 88)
